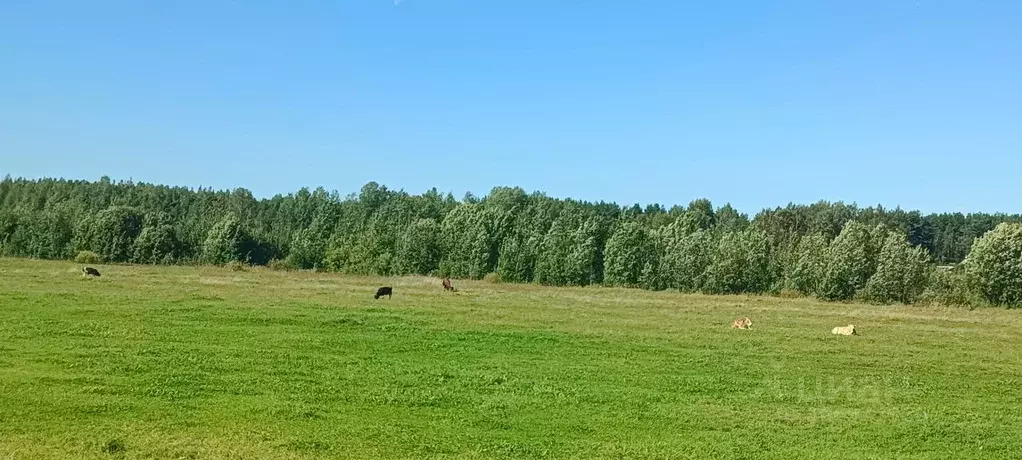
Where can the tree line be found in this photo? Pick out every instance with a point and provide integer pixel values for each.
(834, 251)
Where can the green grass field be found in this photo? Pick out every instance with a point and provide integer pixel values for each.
(185, 362)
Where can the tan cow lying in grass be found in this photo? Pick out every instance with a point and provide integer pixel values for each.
(742, 323)
(847, 330)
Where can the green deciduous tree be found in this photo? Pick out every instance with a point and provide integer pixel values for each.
(809, 264)
(901, 273)
(466, 242)
(701, 211)
(225, 242)
(730, 220)
(627, 254)
(308, 248)
(418, 250)
(517, 260)
(740, 263)
(850, 262)
(157, 244)
(655, 274)
(111, 233)
(994, 266)
(364, 252)
(46, 235)
(686, 259)
(568, 253)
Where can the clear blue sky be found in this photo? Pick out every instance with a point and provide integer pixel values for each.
(757, 103)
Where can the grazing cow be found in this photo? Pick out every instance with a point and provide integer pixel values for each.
(847, 330)
(383, 291)
(742, 323)
(89, 271)
(447, 285)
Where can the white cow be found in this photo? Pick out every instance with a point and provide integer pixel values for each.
(847, 330)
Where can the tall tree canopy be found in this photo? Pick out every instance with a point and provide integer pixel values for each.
(829, 249)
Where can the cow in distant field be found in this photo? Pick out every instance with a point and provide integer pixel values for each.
(742, 323)
(89, 271)
(447, 285)
(383, 291)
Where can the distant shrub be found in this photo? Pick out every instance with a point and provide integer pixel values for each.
(279, 265)
(492, 278)
(236, 266)
(947, 288)
(88, 257)
(155, 244)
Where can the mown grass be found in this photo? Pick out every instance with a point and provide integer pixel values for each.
(184, 362)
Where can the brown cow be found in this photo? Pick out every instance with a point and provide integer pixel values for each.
(447, 285)
(742, 323)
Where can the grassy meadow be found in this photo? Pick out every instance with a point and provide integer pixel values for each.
(208, 363)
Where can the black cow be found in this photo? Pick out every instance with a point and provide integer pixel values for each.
(383, 291)
(447, 285)
(89, 271)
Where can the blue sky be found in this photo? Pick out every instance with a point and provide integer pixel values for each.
(757, 103)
